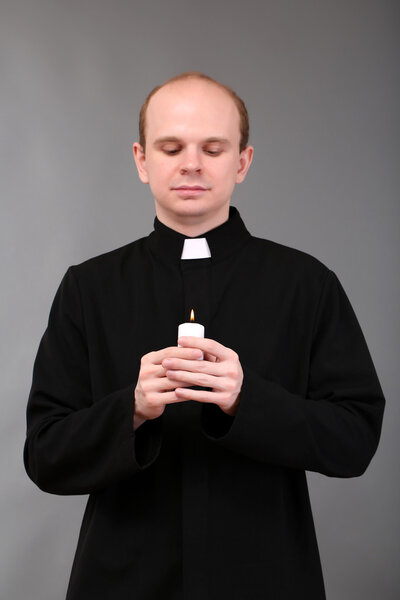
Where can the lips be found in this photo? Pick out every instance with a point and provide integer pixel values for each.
(190, 191)
(190, 187)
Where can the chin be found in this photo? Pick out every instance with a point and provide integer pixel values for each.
(190, 206)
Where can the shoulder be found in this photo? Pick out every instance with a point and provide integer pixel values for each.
(108, 262)
(107, 270)
(287, 261)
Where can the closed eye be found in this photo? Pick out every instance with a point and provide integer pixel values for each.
(213, 152)
(209, 151)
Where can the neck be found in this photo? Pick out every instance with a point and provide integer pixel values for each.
(195, 223)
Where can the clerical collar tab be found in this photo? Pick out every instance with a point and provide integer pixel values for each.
(195, 248)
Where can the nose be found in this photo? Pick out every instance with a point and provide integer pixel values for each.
(191, 162)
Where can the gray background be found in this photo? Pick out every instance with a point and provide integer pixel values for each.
(320, 80)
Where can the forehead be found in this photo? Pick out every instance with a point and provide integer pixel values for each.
(192, 108)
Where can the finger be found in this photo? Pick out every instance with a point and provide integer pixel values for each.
(159, 371)
(157, 356)
(209, 357)
(169, 383)
(159, 382)
(153, 372)
(166, 398)
(206, 344)
(174, 399)
(195, 366)
(196, 379)
(199, 396)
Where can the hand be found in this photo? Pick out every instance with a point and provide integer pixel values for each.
(153, 389)
(221, 370)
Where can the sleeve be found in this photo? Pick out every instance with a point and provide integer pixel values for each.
(75, 445)
(335, 429)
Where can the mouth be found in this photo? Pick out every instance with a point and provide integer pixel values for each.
(190, 187)
(190, 191)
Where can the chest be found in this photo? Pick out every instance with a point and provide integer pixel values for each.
(267, 319)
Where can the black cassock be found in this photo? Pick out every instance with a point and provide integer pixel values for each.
(196, 504)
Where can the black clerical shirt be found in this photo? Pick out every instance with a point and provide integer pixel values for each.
(197, 504)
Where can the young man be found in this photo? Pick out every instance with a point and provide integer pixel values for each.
(196, 468)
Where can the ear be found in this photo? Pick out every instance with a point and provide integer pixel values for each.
(140, 160)
(245, 158)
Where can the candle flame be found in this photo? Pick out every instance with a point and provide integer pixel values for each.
(192, 315)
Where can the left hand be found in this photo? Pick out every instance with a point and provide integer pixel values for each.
(220, 370)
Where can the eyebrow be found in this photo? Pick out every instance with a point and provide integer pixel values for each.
(209, 140)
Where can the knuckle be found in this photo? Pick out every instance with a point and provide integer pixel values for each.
(231, 373)
(230, 385)
(203, 379)
(150, 397)
(146, 358)
(145, 386)
(142, 371)
(225, 398)
(149, 370)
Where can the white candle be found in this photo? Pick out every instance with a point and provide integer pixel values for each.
(191, 329)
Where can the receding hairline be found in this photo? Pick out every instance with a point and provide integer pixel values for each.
(197, 75)
(169, 87)
(187, 80)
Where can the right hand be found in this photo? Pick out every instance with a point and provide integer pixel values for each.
(153, 389)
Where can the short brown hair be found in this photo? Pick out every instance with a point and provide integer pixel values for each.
(240, 105)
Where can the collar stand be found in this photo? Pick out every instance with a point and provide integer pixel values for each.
(223, 240)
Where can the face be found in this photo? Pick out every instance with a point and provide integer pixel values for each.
(192, 160)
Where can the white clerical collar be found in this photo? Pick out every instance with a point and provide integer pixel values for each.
(195, 248)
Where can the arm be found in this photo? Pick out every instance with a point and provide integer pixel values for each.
(73, 444)
(336, 428)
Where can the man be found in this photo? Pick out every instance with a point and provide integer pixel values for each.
(196, 468)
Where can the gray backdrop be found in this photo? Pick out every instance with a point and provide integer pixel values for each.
(320, 79)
